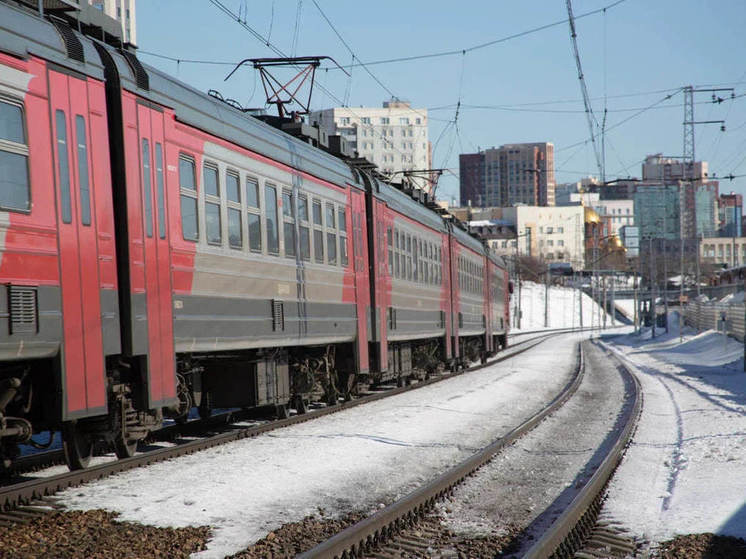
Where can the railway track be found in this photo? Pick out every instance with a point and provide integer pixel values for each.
(406, 529)
(21, 501)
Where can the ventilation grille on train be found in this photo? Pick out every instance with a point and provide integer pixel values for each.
(278, 316)
(23, 310)
(141, 76)
(72, 43)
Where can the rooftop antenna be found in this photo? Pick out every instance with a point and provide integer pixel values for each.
(281, 94)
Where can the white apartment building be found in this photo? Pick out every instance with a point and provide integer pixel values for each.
(550, 233)
(124, 12)
(722, 250)
(394, 137)
(617, 213)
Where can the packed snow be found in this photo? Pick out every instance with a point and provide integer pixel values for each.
(560, 305)
(684, 472)
(351, 460)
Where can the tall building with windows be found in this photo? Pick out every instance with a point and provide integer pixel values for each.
(508, 175)
(394, 136)
(124, 12)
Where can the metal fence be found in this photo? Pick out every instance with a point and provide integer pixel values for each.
(716, 315)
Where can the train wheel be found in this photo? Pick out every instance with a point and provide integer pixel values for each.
(124, 448)
(78, 446)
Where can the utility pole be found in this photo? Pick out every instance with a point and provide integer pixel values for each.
(606, 308)
(652, 287)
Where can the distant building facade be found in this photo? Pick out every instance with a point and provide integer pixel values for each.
(730, 252)
(394, 136)
(730, 215)
(124, 12)
(668, 170)
(508, 175)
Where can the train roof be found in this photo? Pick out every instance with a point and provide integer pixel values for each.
(406, 205)
(23, 33)
(467, 240)
(215, 117)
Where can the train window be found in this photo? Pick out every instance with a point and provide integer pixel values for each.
(342, 219)
(273, 235)
(147, 188)
(318, 233)
(255, 233)
(303, 208)
(343, 259)
(288, 214)
(189, 221)
(330, 216)
(232, 187)
(212, 223)
(64, 169)
(331, 244)
(396, 254)
(210, 180)
(316, 212)
(304, 233)
(189, 228)
(85, 191)
(252, 192)
(186, 173)
(415, 256)
(390, 237)
(159, 190)
(15, 193)
(287, 204)
(305, 243)
(235, 232)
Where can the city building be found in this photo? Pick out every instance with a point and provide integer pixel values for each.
(549, 233)
(669, 170)
(394, 137)
(720, 251)
(508, 175)
(656, 208)
(617, 213)
(124, 12)
(630, 237)
(730, 215)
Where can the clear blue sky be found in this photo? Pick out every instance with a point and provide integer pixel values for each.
(635, 53)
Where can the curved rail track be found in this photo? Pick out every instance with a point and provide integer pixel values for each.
(566, 535)
(31, 491)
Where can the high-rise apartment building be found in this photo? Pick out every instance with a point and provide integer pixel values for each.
(668, 170)
(394, 137)
(508, 175)
(124, 12)
(730, 211)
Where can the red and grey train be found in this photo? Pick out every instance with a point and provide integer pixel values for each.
(161, 250)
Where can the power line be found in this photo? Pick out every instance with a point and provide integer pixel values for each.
(480, 46)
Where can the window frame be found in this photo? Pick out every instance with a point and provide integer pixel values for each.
(22, 150)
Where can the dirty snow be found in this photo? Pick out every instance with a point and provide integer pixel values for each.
(684, 472)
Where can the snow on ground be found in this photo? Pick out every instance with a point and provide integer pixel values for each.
(351, 460)
(684, 472)
(563, 308)
(626, 307)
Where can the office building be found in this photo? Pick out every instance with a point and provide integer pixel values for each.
(124, 12)
(508, 175)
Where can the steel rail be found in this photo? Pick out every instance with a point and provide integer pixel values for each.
(362, 537)
(23, 493)
(567, 533)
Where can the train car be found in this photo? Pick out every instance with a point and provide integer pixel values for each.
(469, 298)
(410, 301)
(497, 291)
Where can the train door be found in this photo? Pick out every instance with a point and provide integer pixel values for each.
(362, 291)
(82, 356)
(161, 365)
